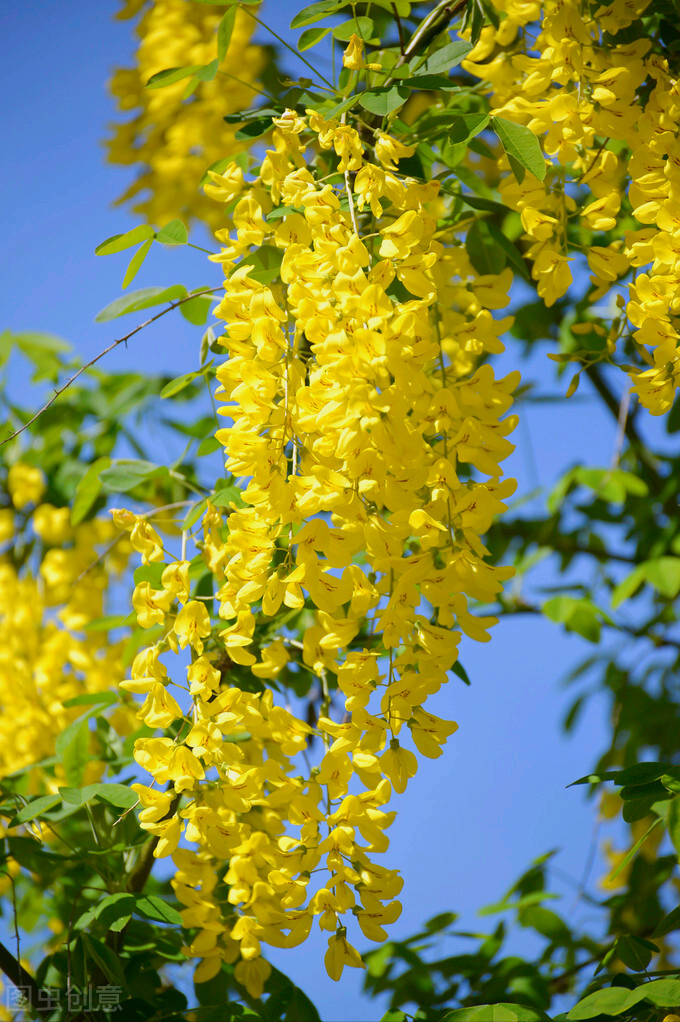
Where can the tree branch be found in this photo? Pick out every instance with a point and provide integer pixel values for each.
(436, 21)
(23, 981)
(635, 440)
(88, 365)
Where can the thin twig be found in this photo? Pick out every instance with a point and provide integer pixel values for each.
(436, 21)
(624, 408)
(88, 365)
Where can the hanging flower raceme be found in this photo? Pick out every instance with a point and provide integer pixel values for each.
(53, 582)
(369, 440)
(607, 111)
(178, 128)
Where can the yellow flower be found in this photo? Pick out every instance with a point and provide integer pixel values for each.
(390, 150)
(26, 484)
(52, 524)
(192, 625)
(341, 953)
(353, 57)
(399, 765)
(253, 975)
(150, 604)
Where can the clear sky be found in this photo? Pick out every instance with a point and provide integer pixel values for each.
(470, 821)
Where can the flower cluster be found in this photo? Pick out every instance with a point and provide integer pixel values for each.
(607, 111)
(369, 441)
(172, 140)
(53, 580)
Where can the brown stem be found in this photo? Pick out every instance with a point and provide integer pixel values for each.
(436, 21)
(36, 997)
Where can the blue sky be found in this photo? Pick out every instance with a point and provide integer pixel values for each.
(470, 821)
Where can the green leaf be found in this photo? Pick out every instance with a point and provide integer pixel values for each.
(465, 126)
(512, 254)
(92, 699)
(118, 795)
(632, 852)
(224, 32)
(673, 824)
(384, 100)
(75, 755)
(447, 57)
(625, 589)
(126, 473)
(310, 37)
(119, 242)
(611, 484)
(665, 993)
(495, 1013)
(196, 310)
(265, 262)
(79, 796)
(208, 446)
(208, 71)
(36, 807)
(248, 115)
(546, 922)
(142, 299)
(611, 1001)
(109, 621)
(36, 345)
(484, 253)
(361, 26)
(225, 497)
(340, 108)
(317, 11)
(180, 382)
(520, 144)
(430, 83)
(135, 263)
(153, 907)
(174, 233)
(253, 129)
(664, 574)
(577, 615)
(70, 732)
(87, 490)
(115, 911)
(668, 924)
(194, 514)
(633, 952)
(461, 672)
(281, 211)
(171, 75)
(151, 573)
(106, 959)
